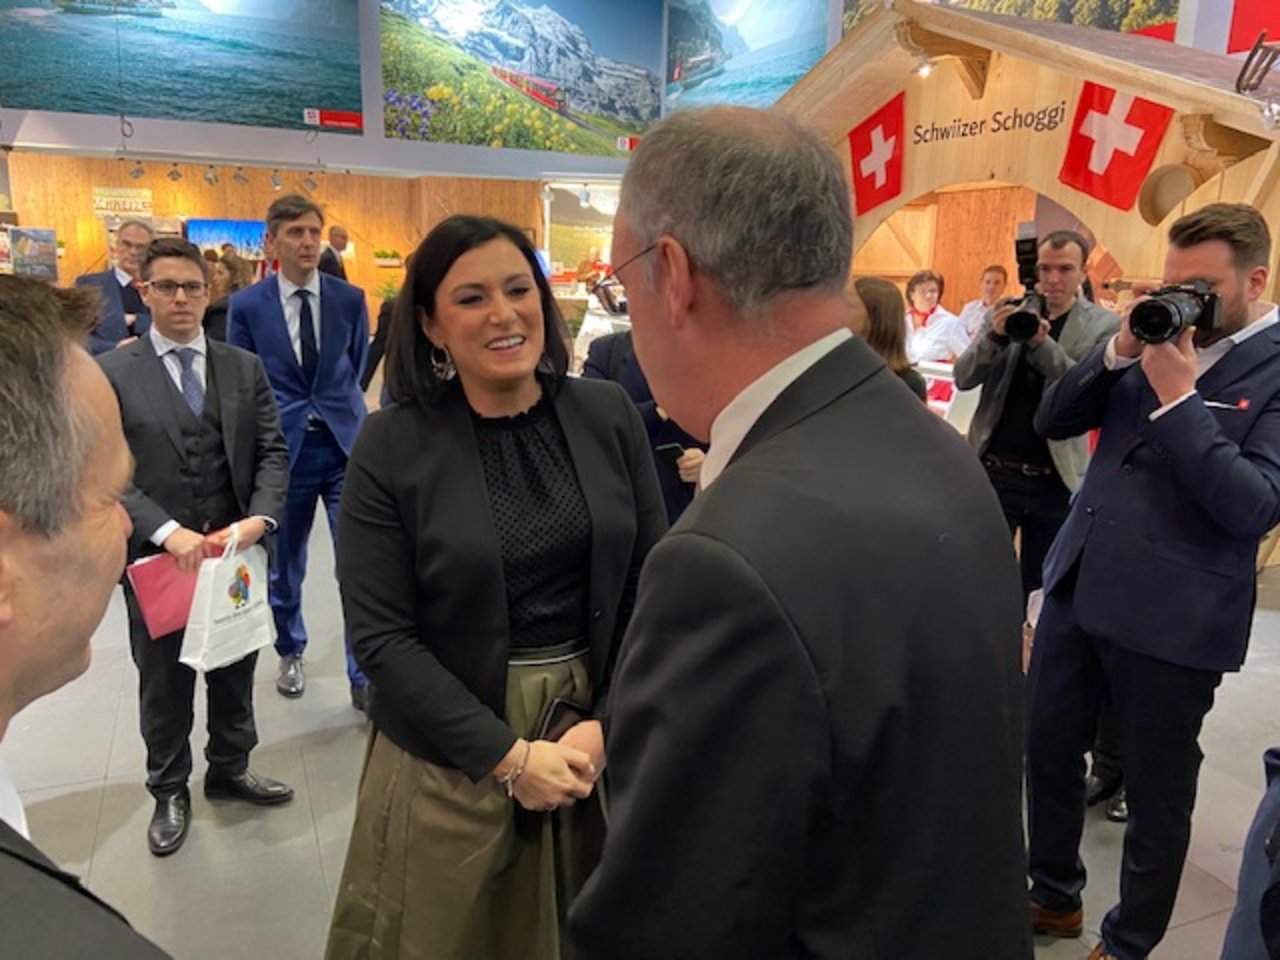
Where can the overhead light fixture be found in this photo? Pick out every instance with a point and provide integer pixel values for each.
(211, 176)
(276, 182)
(548, 194)
(309, 182)
(584, 197)
(1271, 114)
(174, 173)
(924, 66)
(239, 176)
(138, 170)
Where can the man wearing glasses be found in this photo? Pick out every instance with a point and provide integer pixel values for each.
(204, 431)
(122, 314)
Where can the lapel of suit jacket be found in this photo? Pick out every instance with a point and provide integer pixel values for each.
(844, 368)
(589, 460)
(276, 327)
(331, 330)
(219, 364)
(158, 389)
(1239, 360)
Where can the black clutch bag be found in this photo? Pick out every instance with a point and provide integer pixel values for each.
(560, 715)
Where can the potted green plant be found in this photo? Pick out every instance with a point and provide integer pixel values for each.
(387, 258)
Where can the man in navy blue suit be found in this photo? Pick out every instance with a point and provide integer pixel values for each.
(312, 333)
(1149, 586)
(122, 314)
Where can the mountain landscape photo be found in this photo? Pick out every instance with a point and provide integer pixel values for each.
(743, 52)
(505, 73)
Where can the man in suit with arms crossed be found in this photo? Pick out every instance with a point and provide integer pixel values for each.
(331, 259)
(312, 333)
(1149, 586)
(122, 314)
(804, 760)
(205, 436)
(62, 548)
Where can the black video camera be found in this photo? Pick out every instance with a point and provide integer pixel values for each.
(1024, 323)
(1167, 311)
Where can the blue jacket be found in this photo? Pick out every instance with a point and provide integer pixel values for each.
(1165, 529)
(110, 328)
(255, 321)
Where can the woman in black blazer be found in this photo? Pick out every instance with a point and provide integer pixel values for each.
(493, 524)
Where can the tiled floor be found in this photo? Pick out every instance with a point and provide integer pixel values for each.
(252, 883)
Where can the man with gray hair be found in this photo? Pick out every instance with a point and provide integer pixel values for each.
(122, 315)
(63, 473)
(804, 759)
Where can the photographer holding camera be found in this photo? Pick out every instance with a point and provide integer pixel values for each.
(1023, 345)
(1150, 585)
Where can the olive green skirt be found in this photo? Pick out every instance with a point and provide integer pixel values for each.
(440, 868)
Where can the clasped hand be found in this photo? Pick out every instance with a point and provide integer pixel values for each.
(190, 548)
(555, 775)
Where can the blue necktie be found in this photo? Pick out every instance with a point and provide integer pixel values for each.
(192, 388)
(307, 334)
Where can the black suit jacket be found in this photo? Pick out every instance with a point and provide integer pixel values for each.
(816, 724)
(46, 914)
(251, 436)
(331, 264)
(420, 567)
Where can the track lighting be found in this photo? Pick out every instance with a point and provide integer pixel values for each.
(138, 170)
(309, 182)
(174, 173)
(211, 176)
(584, 197)
(239, 176)
(276, 182)
(924, 66)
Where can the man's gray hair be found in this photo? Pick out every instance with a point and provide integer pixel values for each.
(45, 439)
(141, 224)
(758, 200)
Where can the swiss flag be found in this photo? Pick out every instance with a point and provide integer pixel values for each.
(876, 144)
(1114, 139)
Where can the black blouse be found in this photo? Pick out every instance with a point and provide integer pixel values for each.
(543, 527)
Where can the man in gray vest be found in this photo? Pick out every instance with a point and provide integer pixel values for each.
(204, 431)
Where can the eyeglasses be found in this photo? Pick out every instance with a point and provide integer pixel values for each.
(609, 291)
(169, 289)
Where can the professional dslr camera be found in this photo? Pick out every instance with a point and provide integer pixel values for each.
(1167, 311)
(1024, 323)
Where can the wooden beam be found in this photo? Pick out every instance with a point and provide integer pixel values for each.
(900, 235)
(973, 74)
(1264, 180)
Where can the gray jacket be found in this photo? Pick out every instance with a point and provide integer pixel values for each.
(991, 365)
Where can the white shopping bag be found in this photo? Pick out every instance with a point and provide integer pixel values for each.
(230, 617)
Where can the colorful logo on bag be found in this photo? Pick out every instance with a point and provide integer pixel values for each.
(239, 589)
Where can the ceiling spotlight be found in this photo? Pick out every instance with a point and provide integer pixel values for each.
(547, 193)
(174, 173)
(239, 176)
(1271, 114)
(924, 67)
(276, 182)
(138, 170)
(211, 176)
(584, 197)
(309, 182)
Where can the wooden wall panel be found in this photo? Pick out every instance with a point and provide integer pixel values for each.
(902, 245)
(379, 212)
(976, 228)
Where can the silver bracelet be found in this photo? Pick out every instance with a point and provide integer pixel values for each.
(508, 779)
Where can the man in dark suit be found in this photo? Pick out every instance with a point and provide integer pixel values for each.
(205, 436)
(122, 314)
(1149, 587)
(677, 455)
(312, 333)
(804, 759)
(331, 259)
(62, 549)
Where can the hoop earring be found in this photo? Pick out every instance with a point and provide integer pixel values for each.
(442, 363)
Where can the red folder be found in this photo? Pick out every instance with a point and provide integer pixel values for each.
(164, 593)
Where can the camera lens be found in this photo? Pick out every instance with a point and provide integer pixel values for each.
(1163, 316)
(1024, 323)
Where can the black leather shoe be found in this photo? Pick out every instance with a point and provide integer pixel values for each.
(1097, 789)
(247, 786)
(169, 824)
(1117, 809)
(362, 697)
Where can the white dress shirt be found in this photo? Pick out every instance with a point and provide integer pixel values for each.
(736, 420)
(167, 351)
(11, 811)
(1205, 357)
(943, 338)
(123, 278)
(972, 315)
(293, 309)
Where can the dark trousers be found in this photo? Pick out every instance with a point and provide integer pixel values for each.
(1159, 708)
(1106, 748)
(1034, 507)
(166, 695)
(317, 474)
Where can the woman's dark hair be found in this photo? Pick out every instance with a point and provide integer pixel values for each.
(410, 375)
(923, 277)
(886, 331)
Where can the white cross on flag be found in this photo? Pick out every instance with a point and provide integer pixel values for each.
(876, 147)
(1114, 140)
